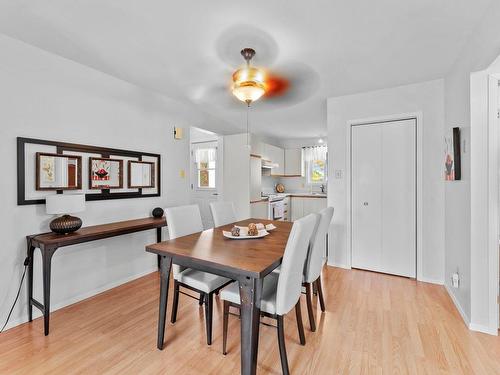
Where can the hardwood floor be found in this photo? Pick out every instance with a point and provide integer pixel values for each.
(374, 324)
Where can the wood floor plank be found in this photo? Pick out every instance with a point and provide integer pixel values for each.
(374, 324)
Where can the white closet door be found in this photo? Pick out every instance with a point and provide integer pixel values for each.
(366, 192)
(384, 197)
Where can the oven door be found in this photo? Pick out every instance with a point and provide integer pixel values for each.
(277, 210)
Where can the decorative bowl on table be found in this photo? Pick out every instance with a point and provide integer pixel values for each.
(250, 232)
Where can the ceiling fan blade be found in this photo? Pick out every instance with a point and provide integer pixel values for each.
(232, 40)
(290, 84)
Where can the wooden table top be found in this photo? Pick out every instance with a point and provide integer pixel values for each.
(96, 232)
(254, 258)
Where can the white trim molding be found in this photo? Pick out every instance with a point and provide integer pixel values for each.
(462, 313)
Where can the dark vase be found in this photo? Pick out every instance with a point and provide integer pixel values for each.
(157, 212)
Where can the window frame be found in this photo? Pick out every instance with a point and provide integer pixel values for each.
(204, 146)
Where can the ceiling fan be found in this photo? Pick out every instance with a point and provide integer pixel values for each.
(285, 82)
(251, 83)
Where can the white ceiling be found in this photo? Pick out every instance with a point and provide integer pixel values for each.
(187, 49)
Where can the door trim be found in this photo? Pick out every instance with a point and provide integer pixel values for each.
(418, 117)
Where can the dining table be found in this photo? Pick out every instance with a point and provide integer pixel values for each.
(246, 261)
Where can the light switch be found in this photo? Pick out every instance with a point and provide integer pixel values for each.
(338, 173)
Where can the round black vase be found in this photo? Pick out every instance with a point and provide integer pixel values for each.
(65, 224)
(157, 212)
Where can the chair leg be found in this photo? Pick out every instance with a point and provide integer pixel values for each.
(300, 325)
(320, 294)
(310, 311)
(208, 316)
(224, 327)
(202, 296)
(175, 303)
(281, 343)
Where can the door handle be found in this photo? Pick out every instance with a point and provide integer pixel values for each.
(215, 193)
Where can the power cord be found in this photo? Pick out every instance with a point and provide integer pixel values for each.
(26, 262)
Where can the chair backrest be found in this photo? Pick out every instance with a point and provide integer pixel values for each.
(292, 266)
(222, 213)
(317, 248)
(181, 221)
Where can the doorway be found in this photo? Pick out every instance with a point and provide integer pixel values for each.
(384, 196)
(206, 154)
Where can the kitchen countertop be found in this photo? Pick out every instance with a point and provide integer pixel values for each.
(306, 195)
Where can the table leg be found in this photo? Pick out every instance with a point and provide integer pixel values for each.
(250, 295)
(165, 265)
(46, 270)
(158, 239)
(30, 252)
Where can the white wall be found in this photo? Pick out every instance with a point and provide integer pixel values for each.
(426, 98)
(48, 97)
(466, 209)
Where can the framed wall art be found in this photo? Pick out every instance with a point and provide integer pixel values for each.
(141, 174)
(46, 167)
(58, 172)
(452, 157)
(105, 173)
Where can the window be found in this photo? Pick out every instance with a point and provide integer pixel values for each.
(205, 164)
(315, 164)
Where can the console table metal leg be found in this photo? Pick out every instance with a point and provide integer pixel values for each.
(46, 270)
(165, 266)
(29, 254)
(158, 239)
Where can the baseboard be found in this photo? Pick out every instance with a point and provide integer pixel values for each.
(339, 265)
(37, 313)
(458, 307)
(483, 329)
(431, 281)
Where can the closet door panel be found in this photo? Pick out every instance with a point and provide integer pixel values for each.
(366, 197)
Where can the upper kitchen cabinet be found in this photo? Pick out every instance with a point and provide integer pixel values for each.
(293, 162)
(277, 157)
(256, 147)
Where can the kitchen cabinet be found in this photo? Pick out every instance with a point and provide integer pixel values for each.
(277, 156)
(255, 178)
(303, 206)
(256, 147)
(293, 162)
(259, 210)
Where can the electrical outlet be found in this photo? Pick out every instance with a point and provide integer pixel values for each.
(338, 174)
(455, 280)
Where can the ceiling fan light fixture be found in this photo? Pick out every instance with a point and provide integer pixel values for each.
(248, 82)
(247, 89)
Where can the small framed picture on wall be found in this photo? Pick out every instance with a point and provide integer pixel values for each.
(105, 173)
(452, 157)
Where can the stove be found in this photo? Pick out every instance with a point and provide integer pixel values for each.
(274, 197)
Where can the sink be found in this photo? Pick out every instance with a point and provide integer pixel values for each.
(319, 194)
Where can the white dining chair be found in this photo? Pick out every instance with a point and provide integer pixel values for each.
(182, 221)
(222, 213)
(280, 291)
(316, 259)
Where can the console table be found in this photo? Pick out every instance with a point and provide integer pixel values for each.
(48, 243)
